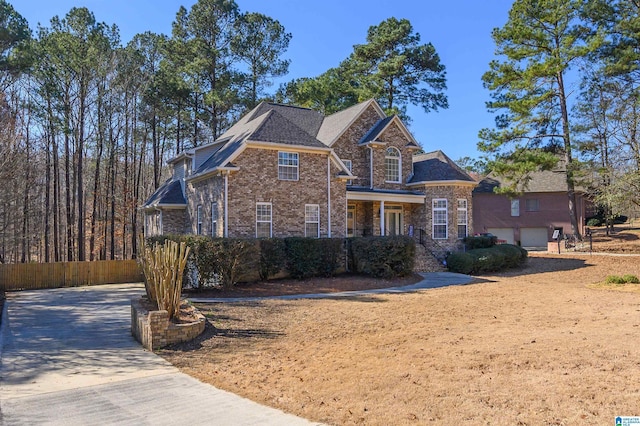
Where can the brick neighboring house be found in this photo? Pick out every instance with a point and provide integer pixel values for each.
(289, 171)
(530, 219)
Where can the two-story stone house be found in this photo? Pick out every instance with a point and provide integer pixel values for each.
(288, 171)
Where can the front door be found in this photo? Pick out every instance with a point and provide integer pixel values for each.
(393, 220)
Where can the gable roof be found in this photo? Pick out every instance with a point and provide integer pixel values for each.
(334, 125)
(542, 181)
(305, 119)
(436, 167)
(169, 193)
(278, 129)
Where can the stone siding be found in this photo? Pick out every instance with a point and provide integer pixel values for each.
(347, 148)
(452, 193)
(173, 221)
(392, 137)
(207, 193)
(257, 181)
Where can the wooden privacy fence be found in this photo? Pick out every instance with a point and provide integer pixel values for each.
(31, 276)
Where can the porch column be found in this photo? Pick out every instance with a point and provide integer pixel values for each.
(382, 233)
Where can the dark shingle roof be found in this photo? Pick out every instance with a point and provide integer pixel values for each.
(220, 157)
(383, 191)
(278, 129)
(169, 192)
(376, 130)
(306, 119)
(436, 166)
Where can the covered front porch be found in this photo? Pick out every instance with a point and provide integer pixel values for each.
(375, 212)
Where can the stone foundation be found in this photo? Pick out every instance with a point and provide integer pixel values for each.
(154, 330)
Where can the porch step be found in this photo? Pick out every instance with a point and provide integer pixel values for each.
(425, 262)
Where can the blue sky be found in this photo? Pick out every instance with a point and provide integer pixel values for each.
(324, 33)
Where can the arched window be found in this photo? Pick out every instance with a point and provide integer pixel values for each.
(392, 163)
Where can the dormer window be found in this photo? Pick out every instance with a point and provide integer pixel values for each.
(392, 162)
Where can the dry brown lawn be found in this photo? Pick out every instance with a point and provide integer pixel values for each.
(535, 346)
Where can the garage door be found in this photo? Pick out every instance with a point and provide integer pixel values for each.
(533, 237)
(505, 234)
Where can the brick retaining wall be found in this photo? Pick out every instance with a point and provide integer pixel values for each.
(154, 330)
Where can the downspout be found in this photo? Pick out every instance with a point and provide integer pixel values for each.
(329, 196)
(370, 167)
(226, 204)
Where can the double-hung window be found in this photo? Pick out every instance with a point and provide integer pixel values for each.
(392, 165)
(440, 219)
(214, 219)
(349, 165)
(199, 220)
(515, 208)
(288, 165)
(463, 219)
(263, 220)
(312, 220)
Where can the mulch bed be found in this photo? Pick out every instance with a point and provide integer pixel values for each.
(281, 287)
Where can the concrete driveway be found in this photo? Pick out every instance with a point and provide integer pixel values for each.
(68, 358)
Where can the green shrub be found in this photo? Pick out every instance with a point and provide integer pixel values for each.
(311, 257)
(594, 221)
(331, 255)
(487, 260)
(514, 255)
(273, 257)
(631, 279)
(460, 262)
(386, 257)
(481, 260)
(484, 241)
(233, 258)
(614, 279)
(216, 261)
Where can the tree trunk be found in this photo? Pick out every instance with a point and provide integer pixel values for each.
(80, 176)
(67, 171)
(568, 158)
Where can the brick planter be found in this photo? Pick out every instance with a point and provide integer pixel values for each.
(154, 330)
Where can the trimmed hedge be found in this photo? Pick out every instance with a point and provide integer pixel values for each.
(385, 257)
(484, 241)
(481, 260)
(216, 261)
(313, 257)
(273, 257)
(227, 261)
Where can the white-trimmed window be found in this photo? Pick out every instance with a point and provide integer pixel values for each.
(515, 207)
(349, 165)
(214, 219)
(440, 219)
(463, 219)
(312, 220)
(263, 220)
(392, 165)
(199, 220)
(288, 165)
